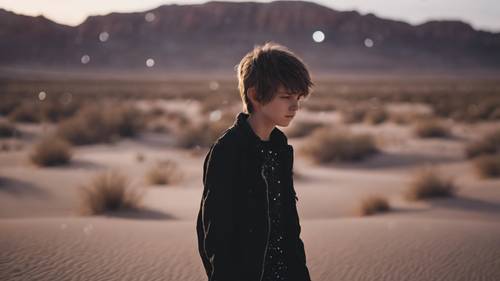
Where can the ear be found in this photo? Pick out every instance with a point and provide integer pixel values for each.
(252, 96)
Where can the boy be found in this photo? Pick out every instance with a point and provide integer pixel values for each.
(248, 226)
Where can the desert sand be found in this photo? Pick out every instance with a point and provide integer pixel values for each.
(42, 237)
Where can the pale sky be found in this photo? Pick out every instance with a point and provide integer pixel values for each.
(482, 14)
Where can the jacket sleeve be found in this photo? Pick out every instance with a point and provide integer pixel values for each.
(217, 212)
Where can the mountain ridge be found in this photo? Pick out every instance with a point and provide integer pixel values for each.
(215, 35)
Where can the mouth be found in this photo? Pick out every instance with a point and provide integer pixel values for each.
(289, 116)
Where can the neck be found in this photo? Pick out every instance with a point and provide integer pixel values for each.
(261, 126)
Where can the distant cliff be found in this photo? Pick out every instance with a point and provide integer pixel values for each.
(215, 35)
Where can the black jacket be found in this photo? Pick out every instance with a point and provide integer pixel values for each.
(232, 223)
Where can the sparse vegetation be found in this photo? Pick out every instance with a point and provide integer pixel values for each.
(205, 133)
(376, 116)
(27, 112)
(329, 145)
(164, 173)
(140, 157)
(427, 183)
(488, 166)
(302, 128)
(431, 128)
(101, 124)
(51, 151)
(7, 129)
(108, 191)
(353, 114)
(373, 204)
(489, 144)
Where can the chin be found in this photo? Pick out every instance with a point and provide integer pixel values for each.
(285, 123)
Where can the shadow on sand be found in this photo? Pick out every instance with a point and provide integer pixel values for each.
(18, 188)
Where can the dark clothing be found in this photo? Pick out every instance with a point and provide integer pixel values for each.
(276, 268)
(235, 225)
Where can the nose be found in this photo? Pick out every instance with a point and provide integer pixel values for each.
(295, 105)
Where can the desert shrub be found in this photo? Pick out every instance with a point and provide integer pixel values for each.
(205, 133)
(427, 183)
(356, 113)
(373, 204)
(303, 128)
(164, 173)
(431, 128)
(7, 129)
(51, 151)
(467, 108)
(488, 144)
(108, 191)
(375, 116)
(27, 111)
(156, 111)
(140, 157)
(319, 105)
(353, 114)
(488, 166)
(326, 145)
(8, 104)
(55, 110)
(101, 124)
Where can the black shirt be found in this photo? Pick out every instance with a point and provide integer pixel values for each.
(275, 265)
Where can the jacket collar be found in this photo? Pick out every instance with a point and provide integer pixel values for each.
(277, 137)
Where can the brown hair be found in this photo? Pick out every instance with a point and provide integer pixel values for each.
(266, 68)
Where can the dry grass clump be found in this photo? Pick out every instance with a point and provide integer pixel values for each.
(376, 116)
(7, 130)
(468, 107)
(489, 144)
(140, 157)
(317, 105)
(427, 183)
(488, 166)
(353, 114)
(108, 191)
(326, 145)
(57, 109)
(373, 204)
(101, 124)
(11, 145)
(27, 112)
(431, 128)
(205, 133)
(8, 104)
(164, 173)
(51, 151)
(371, 114)
(302, 128)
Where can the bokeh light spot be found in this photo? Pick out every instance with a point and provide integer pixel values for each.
(150, 17)
(42, 95)
(150, 62)
(85, 59)
(103, 36)
(369, 43)
(213, 85)
(215, 115)
(318, 36)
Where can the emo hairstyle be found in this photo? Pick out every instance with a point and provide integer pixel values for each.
(266, 68)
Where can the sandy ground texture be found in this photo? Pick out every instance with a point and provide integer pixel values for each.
(42, 237)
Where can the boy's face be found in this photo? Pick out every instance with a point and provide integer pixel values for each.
(282, 108)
